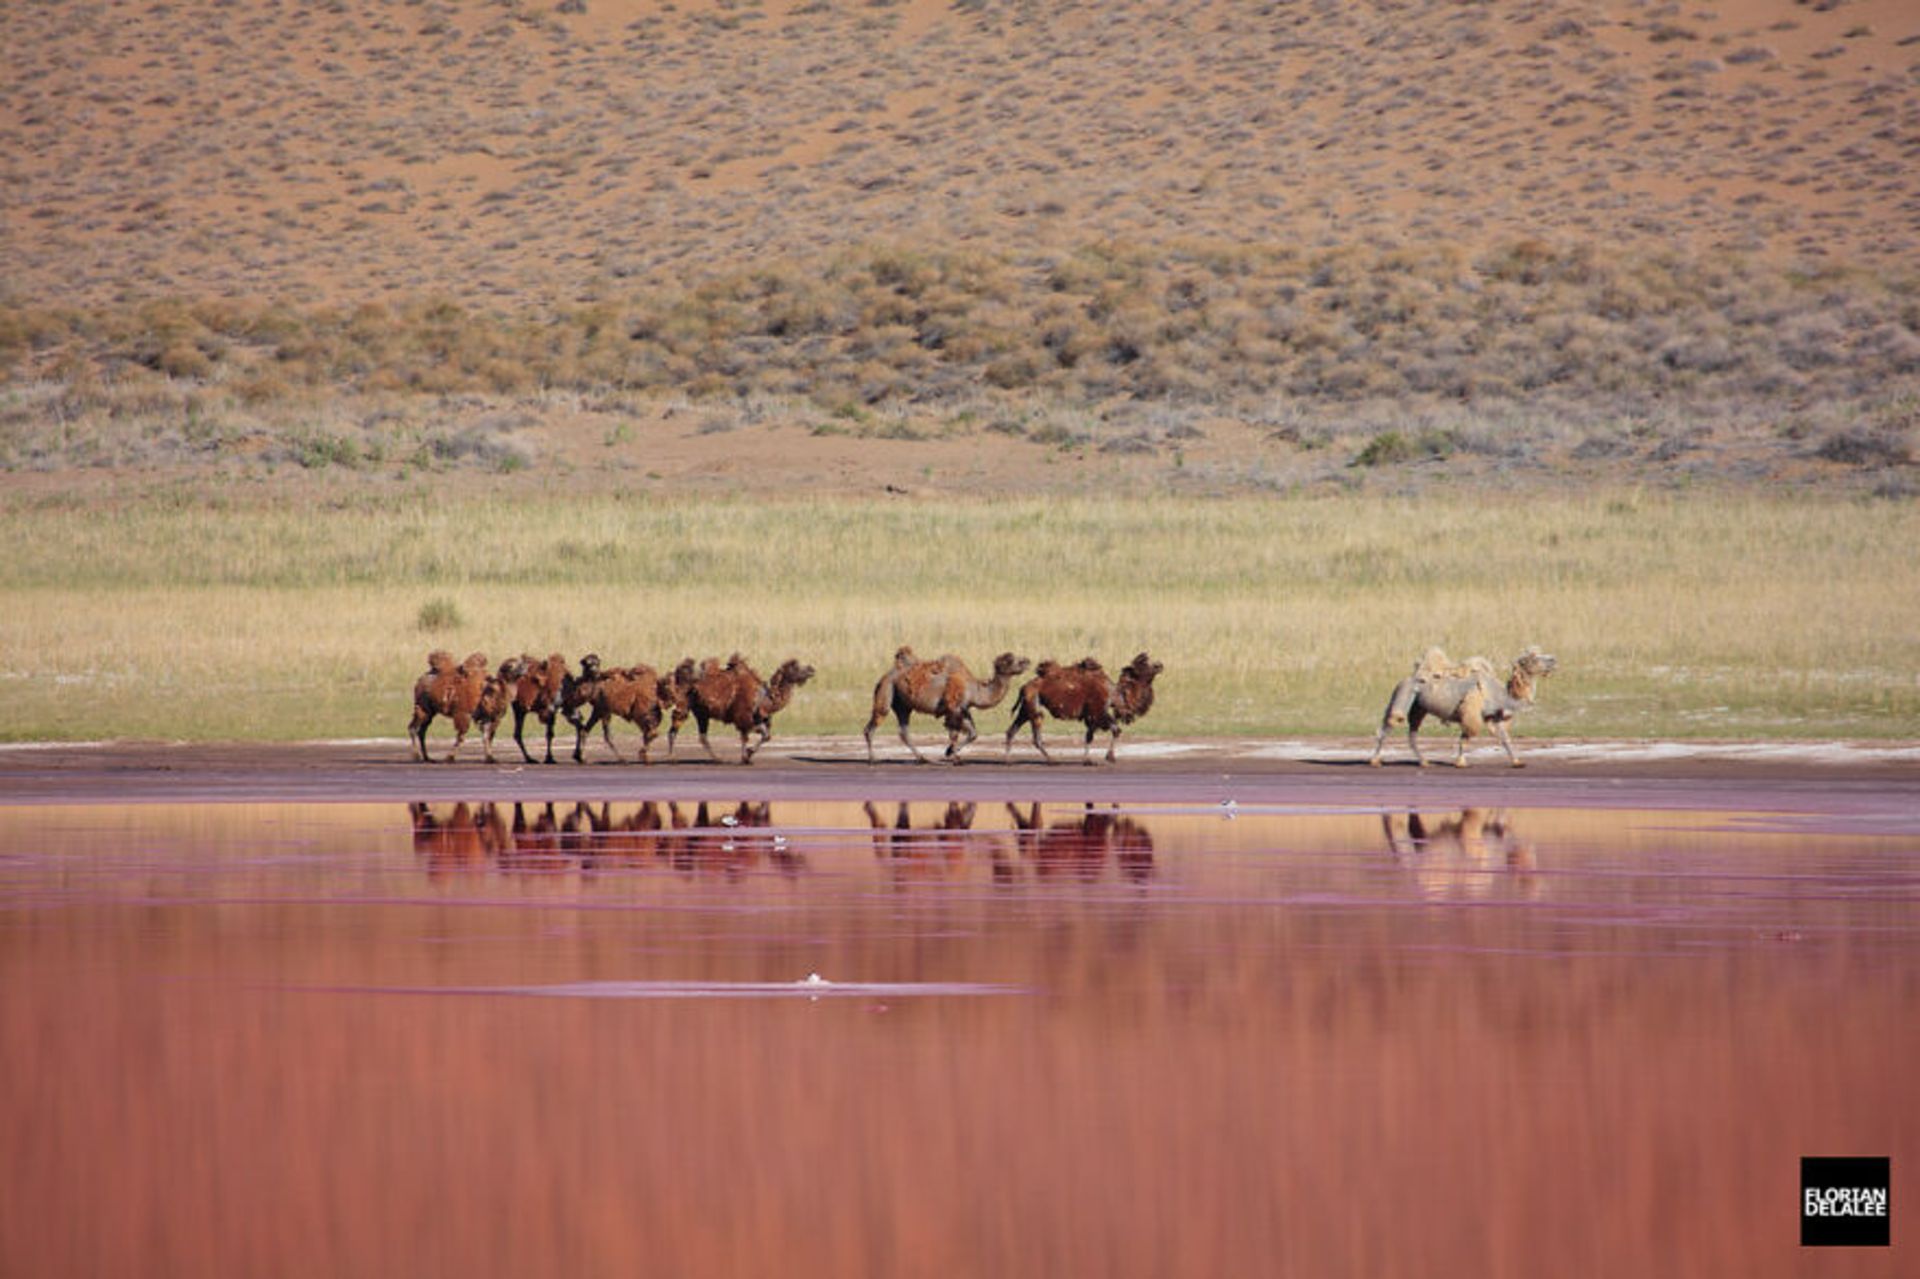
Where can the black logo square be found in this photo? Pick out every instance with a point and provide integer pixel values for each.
(1846, 1202)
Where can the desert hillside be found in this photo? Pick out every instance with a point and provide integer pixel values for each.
(1385, 226)
(515, 153)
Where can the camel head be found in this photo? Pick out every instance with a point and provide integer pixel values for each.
(1536, 664)
(1006, 666)
(512, 669)
(590, 666)
(1529, 668)
(1135, 692)
(793, 673)
(904, 657)
(685, 673)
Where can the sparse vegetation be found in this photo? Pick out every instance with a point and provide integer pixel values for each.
(883, 338)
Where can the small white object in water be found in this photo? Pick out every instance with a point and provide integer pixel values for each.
(815, 979)
(729, 820)
(1229, 809)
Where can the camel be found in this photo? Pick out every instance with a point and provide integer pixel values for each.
(675, 691)
(537, 693)
(448, 689)
(496, 699)
(629, 692)
(734, 694)
(1472, 853)
(1465, 693)
(1084, 692)
(943, 687)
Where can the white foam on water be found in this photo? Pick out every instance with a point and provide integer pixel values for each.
(808, 989)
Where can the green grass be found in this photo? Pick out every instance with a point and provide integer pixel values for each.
(1679, 616)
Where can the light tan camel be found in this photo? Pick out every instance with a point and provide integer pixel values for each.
(1465, 693)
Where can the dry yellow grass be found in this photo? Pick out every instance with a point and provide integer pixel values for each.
(1711, 616)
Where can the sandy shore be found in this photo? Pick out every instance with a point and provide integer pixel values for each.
(1856, 786)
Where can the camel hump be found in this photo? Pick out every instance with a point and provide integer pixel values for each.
(1477, 666)
(1433, 664)
(1047, 667)
(735, 660)
(476, 661)
(441, 662)
(1091, 664)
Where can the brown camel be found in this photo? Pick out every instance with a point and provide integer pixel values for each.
(943, 687)
(732, 693)
(627, 692)
(675, 690)
(537, 693)
(448, 689)
(1085, 693)
(496, 699)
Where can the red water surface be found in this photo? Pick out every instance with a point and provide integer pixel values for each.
(1045, 1040)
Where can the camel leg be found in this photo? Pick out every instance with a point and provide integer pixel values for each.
(700, 722)
(766, 735)
(1401, 706)
(647, 733)
(903, 718)
(1413, 736)
(461, 724)
(1112, 743)
(606, 731)
(1471, 726)
(1379, 742)
(487, 731)
(580, 732)
(1500, 731)
(954, 747)
(417, 730)
(1019, 717)
(1086, 747)
(549, 723)
(519, 724)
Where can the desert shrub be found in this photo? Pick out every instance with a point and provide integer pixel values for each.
(1870, 446)
(439, 614)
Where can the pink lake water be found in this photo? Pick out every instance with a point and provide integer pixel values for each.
(943, 1039)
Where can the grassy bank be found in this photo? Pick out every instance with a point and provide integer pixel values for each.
(1708, 616)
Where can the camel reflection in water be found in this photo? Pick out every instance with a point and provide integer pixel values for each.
(927, 854)
(1472, 853)
(539, 839)
(1080, 848)
(732, 840)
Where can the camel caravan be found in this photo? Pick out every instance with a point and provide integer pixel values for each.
(731, 692)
